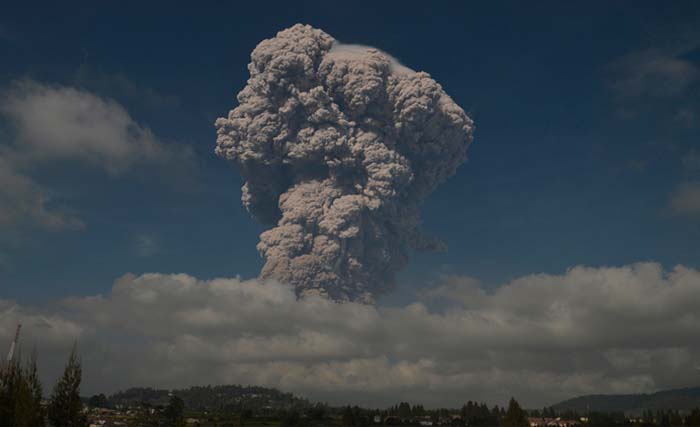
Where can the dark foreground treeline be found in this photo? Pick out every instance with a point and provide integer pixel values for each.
(177, 412)
(300, 412)
(21, 395)
(648, 418)
(22, 404)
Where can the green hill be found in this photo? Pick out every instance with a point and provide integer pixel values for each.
(683, 399)
(212, 397)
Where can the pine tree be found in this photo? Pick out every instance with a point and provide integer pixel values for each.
(693, 419)
(65, 407)
(515, 416)
(676, 419)
(98, 401)
(404, 410)
(348, 417)
(495, 418)
(10, 377)
(20, 394)
(37, 392)
(22, 400)
(175, 410)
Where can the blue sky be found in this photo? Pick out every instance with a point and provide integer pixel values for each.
(576, 159)
(585, 154)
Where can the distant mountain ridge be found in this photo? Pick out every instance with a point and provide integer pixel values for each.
(212, 397)
(682, 399)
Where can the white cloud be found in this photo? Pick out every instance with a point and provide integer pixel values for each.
(145, 246)
(63, 124)
(659, 81)
(350, 51)
(685, 200)
(22, 202)
(541, 337)
(654, 74)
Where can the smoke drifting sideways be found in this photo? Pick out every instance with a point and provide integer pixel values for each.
(339, 145)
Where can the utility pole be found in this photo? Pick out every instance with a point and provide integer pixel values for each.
(11, 354)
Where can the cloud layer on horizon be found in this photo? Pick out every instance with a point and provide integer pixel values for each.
(540, 337)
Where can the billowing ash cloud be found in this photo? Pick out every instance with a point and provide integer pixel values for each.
(339, 145)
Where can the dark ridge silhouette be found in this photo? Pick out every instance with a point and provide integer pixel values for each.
(682, 399)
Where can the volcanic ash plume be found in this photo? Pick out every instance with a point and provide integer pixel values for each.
(339, 145)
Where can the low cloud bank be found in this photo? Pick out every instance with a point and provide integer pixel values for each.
(540, 337)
